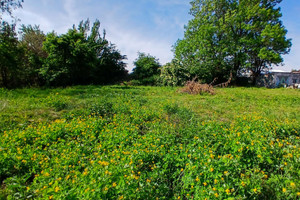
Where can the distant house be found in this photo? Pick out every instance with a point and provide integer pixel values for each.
(278, 78)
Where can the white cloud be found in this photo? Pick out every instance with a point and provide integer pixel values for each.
(130, 42)
(29, 17)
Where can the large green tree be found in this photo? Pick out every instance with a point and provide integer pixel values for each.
(69, 60)
(32, 39)
(82, 56)
(232, 35)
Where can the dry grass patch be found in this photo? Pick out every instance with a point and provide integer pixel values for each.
(194, 87)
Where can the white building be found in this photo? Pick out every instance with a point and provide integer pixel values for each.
(278, 78)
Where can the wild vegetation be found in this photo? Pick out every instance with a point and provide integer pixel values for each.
(118, 142)
(222, 38)
(138, 142)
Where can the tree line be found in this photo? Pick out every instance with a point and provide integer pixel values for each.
(80, 56)
(225, 38)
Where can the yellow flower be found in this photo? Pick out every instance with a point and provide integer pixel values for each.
(217, 195)
(227, 191)
(215, 181)
(293, 184)
(211, 169)
(283, 189)
(56, 189)
(181, 169)
(114, 184)
(214, 189)
(197, 179)
(225, 173)
(255, 190)
(205, 184)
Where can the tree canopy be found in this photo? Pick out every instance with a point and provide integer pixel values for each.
(6, 6)
(80, 56)
(146, 69)
(232, 35)
(10, 56)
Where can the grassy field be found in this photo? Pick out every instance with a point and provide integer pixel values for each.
(114, 142)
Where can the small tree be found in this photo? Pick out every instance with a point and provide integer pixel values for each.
(146, 69)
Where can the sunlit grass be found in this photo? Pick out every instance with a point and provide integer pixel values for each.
(113, 142)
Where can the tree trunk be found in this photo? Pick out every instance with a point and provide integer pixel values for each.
(4, 77)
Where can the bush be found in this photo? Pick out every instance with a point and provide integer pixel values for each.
(172, 74)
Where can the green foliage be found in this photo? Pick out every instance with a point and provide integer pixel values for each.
(11, 55)
(228, 36)
(32, 39)
(78, 58)
(173, 74)
(68, 61)
(146, 69)
(151, 142)
(102, 108)
(81, 56)
(57, 102)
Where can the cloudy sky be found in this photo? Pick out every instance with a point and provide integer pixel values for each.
(150, 26)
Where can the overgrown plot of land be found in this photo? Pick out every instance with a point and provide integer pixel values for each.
(149, 142)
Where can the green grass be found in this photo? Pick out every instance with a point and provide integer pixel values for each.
(113, 142)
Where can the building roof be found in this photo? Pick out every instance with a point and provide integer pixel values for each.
(278, 70)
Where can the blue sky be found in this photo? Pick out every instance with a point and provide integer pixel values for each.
(150, 26)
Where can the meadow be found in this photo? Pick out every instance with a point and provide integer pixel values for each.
(117, 142)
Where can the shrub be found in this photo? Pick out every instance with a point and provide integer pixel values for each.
(173, 74)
